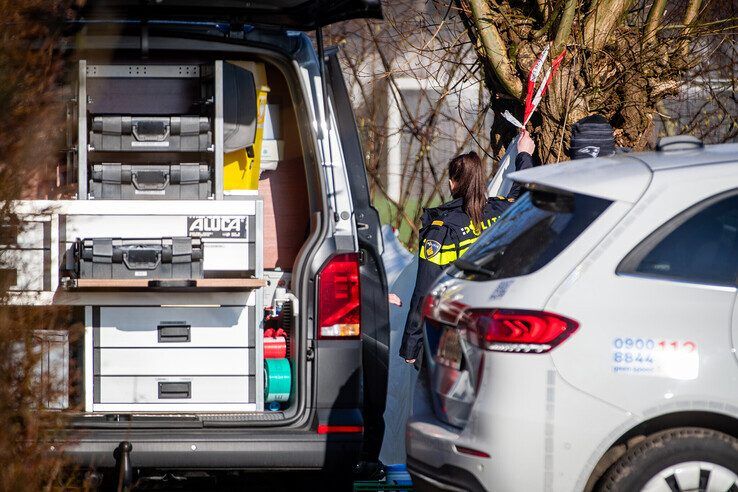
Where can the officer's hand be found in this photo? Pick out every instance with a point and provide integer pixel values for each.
(525, 143)
(410, 361)
(395, 299)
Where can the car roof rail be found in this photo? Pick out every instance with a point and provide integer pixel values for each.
(678, 142)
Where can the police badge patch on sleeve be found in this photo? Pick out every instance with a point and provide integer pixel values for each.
(432, 248)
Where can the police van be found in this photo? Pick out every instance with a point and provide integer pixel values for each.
(215, 243)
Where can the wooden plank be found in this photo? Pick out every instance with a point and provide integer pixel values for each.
(103, 283)
(246, 283)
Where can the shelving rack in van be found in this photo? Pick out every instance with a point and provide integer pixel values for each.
(110, 93)
(164, 255)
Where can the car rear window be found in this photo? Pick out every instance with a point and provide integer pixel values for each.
(538, 227)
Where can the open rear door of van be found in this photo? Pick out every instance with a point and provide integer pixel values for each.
(375, 328)
(289, 14)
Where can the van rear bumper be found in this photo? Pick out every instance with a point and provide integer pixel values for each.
(232, 449)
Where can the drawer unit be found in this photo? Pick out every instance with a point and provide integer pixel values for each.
(174, 358)
(174, 361)
(231, 326)
(37, 251)
(228, 243)
(169, 390)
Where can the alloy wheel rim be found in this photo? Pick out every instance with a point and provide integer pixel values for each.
(693, 476)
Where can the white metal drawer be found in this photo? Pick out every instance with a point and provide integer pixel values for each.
(231, 326)
(173, 361)
(227, 256)
(30, 269)
(150, 389)
(215, 227)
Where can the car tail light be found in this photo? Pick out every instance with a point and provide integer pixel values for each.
(444, 311)
(339, 298)
(521, 331)
(472, 452)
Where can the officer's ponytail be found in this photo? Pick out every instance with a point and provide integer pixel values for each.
(468, 173)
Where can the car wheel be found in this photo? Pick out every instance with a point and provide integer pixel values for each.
(683, 459)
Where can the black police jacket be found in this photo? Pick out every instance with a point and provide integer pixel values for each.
(446, 233)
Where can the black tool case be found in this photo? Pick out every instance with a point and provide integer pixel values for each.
(117, 133)
(183, 181)
(154, 259)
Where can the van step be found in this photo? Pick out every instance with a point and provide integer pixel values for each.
(226, 418)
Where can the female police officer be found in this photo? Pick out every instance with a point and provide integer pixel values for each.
(447, 231)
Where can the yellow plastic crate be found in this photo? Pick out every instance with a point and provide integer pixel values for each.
(241, 168)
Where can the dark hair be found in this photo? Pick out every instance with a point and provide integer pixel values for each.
(468, 173)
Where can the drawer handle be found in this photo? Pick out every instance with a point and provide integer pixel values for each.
(175, 390)
(173, 333)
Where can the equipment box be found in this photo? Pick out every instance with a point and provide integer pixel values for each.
(151, 133)
(185, 181)
(168, 258)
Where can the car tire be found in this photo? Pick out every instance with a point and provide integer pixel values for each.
(698, 457)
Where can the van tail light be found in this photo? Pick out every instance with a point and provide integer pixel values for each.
(340, 429)
(339, 298)
(518, 331)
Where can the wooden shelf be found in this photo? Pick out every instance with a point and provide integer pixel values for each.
(168, 284)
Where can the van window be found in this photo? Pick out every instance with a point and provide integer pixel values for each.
(529, 235)
(697, 247)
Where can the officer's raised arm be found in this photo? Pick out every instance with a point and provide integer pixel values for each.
(524, 160)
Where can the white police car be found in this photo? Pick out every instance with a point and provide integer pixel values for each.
(588, 340)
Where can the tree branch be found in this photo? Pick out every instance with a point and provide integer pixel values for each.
(543, 9)
(564, 29)
(494, 49)
(693, 10)
(670, 126)
(655, 14)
